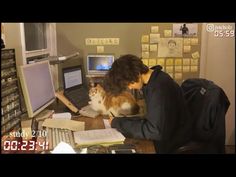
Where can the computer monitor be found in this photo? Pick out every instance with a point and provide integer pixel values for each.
(99, 64)
(37, 86)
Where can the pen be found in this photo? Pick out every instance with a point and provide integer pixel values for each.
(112, 114)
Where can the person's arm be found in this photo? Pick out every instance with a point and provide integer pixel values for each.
(144, 128)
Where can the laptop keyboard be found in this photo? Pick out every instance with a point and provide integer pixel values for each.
(79, 98)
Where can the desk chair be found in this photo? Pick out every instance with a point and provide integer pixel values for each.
(208, 105)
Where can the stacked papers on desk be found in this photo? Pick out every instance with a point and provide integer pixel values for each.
(98, 136)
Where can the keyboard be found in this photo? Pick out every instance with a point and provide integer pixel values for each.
(56, 135)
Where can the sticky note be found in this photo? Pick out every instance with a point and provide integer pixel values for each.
(178, 76)
(153, 47)
(186, 69)
(145, 38)
(169, 62)
(195, 55)
(145, 47)
(194, 68)
(161, 61)
(187, 41)
(178, 68)
(194, 41)
(145, 61)
(100, 49)
(178, 61)
(154, 29)
(154, 38)
(167, 33)
(194, 61)
(186, 61)
(145, 54)
(187, 48)
(152, 62)
(169, 69)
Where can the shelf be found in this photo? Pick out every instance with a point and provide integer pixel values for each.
(18, 98)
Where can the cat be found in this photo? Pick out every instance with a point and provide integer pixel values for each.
(122, 105)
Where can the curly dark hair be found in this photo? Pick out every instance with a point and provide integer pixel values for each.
(124, 71)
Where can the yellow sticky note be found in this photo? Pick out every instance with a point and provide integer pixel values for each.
(178, 68)
(186, 69)
(195, 55)
(145, 47)
(153, 47)
(194, 62)
(152, 62)
(169, 69)
(169, 62)
(194, 68)
(194, 41)
(154, 29)
(145, 54)
(178, 61)
(186, 61)
(100, 49)
(154, 38)
(145, 38)
(187, 48)
(187, 41)
(178, 76)
(167, 33)
(161, 61)
(145, 61)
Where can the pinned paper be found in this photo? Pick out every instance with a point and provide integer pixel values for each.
(186, 69)
(178, 68)
(169, 69)
(161, 61)
(194, 61)
(145, 38)
(154, 29)
(187, 48)
(153, 47)
(195, 55)
(194, 41)
(167, 33)
(154, 38)
(145, 61)
(169, 62)
(187, 41)
(178, 61)
(145, 47)
(178, 76)
(186, 61)
(152, 62)
(145, 54)
(194, 68)
(100, 49)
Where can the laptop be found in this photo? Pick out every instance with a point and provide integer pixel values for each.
(74, 87)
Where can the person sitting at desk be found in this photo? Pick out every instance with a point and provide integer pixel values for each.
(167, 121)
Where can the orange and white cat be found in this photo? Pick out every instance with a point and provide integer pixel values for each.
(105, 104)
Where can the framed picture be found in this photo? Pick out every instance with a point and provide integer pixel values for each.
(185, 30)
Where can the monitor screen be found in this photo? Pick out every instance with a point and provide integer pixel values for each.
(72, 77)
(99, 63)
(37, 86)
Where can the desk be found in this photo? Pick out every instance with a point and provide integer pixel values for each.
(142, 146)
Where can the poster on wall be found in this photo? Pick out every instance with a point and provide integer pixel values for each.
(185, 30)
(170, 47)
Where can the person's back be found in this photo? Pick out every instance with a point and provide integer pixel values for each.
(173, 118)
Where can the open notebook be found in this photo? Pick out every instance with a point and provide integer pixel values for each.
(99, 136)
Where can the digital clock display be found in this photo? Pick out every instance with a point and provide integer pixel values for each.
(30, 145)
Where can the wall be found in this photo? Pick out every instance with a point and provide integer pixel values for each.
(218, 64)
(71, 38)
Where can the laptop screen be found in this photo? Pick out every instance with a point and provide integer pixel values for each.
(72, 77)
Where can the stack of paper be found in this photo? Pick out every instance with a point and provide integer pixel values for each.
(99, 136)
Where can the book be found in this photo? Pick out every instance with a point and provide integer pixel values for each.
(99, 136)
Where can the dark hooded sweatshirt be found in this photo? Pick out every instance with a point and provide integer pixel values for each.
(167, 121)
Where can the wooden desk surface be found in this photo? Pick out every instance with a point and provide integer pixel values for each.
(142, 146)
